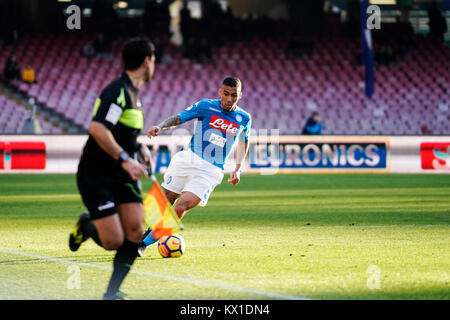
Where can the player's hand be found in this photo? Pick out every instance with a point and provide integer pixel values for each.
(134, 169)
(153, 131)
(235, 177)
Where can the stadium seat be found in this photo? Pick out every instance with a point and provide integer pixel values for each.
(280, 91)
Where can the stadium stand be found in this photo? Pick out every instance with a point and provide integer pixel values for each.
(280, 90)
(14, 114)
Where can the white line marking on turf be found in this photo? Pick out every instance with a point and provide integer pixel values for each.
(336, 227)
(164, 276)
(379, 226)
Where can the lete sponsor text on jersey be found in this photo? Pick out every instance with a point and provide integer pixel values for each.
(224, 125)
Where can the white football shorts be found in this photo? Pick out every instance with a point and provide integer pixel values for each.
(189, 172)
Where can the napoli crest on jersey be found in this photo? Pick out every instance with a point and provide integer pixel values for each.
(238, 118)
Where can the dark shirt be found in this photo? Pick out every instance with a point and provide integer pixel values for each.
(119, 109)
(312, 127)
(11, 70)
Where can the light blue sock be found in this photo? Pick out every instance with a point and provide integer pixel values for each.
(148, 240)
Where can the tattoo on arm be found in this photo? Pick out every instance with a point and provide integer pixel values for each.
(170, 123)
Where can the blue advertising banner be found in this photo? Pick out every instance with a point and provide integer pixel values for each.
(320, 155)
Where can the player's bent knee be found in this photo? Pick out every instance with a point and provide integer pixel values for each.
(110, 232)
(112, 243)
(180, 210)
(131, 218)
(135, 234)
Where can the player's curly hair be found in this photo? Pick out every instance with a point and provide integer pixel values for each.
(134, 52)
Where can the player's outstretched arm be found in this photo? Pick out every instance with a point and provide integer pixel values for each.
(241, 152)
(167, 124)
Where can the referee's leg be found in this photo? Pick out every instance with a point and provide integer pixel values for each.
(130, 215)
(110, 231)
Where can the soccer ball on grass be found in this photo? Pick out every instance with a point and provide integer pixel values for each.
(172, 246)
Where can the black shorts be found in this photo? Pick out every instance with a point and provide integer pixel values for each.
(102, 195)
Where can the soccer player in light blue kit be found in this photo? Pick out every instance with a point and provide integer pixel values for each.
(194, 173)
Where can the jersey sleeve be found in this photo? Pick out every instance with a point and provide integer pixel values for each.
(191, 112)
(245, 134)
(109, 106)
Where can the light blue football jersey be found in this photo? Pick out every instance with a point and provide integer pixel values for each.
(217, 130)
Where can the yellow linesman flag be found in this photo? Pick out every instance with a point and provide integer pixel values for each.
(158, 213)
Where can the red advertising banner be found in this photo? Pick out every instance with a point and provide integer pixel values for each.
(435, 155)
(22, 155)
(2, 155)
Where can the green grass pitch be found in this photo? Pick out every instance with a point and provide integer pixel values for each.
(342, 236)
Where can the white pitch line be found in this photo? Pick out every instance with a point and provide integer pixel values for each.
(376, 226)
(164, 276)
(337, 227)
